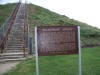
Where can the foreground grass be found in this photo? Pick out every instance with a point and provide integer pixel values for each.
(61, 65)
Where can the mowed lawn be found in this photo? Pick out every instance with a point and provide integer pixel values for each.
(61, 65)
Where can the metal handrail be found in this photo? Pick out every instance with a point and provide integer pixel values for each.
(5, 33)
(25, 33)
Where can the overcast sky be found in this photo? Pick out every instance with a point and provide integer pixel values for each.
(87, 11)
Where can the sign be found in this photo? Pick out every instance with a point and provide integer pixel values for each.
(57, 40)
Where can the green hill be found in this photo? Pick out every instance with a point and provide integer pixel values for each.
(90, 36)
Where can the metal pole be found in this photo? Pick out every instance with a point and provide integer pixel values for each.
(36, 52)
(79, 50)
(30, 45)
(26, 13)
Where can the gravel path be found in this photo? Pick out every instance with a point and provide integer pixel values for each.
(4, 67)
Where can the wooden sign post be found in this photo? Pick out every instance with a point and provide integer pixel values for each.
(57, 40)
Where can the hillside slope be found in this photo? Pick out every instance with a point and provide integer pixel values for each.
(5, 11)
(90, 36)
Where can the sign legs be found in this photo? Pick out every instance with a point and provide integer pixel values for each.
(37, 66)
(79, 49)
(36, 52)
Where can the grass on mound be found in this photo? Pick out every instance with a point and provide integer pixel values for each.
(5, 11)
(61, 65)
(39, 16)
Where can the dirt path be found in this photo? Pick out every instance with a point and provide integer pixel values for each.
(4, 67)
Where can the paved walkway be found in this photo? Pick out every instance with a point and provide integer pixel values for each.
(4, 67)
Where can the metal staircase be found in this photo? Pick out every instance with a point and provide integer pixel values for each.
(16, 48)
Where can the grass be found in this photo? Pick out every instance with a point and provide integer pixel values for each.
(61, 65)
(44, 17)
(5, 11)
(58, 65)
(37, 15)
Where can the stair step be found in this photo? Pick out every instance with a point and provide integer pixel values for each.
(9, 39)
(14, 42)
(14, 46)
(11, 54)
(11, 57)
(10, 47)
(6, 50)
(12, 34)
(15, 32)
(13, 37)
(14, 51)
(9, 60)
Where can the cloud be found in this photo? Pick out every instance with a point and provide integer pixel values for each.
(8, 1)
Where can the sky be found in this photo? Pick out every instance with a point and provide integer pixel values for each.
(87, 11)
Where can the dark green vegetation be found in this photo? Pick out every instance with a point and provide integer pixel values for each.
(61, 65)
(90, 36)
(5, 11)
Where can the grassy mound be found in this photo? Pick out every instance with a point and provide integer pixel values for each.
(37, 15)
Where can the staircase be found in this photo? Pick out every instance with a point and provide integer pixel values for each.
(14, 48)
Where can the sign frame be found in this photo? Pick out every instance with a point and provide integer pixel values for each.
(79, 51)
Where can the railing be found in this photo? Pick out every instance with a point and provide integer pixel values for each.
(25, 32)
(5, 29)
(26, 38)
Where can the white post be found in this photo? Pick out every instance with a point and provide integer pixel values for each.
(79, 51)
(36, 52)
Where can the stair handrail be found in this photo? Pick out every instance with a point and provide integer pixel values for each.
(24, 37)
(4, 34)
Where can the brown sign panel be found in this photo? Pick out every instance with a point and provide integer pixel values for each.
(57, 40)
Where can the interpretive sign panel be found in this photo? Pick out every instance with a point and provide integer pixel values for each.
(57, 40)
